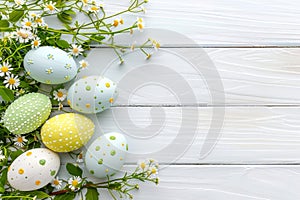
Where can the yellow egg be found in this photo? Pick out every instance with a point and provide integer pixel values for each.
(67, 132)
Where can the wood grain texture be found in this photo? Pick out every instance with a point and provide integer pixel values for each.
(250, 76)
(250, 135)
(220, 182)
(223, 22)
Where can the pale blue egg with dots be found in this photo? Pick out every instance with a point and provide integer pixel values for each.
(92, 94)
(33, 169)
(106, 155)
(50, 65)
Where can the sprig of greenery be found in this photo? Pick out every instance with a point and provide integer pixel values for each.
(23, 25)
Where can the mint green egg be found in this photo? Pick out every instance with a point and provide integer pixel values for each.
(27, 113)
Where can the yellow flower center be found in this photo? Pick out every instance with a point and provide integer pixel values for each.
(60, 94)
(84, 65)
(38, 20)
(75, 50)
(143, 165)
(94, 8)
(50, 7)
(28, 23)
(116, 23)
(85, 1)
(20, 139)
(74, 183)
(35, 43)
(12, 81)
(140, 25)
(56, 182)
(153, 170)
(4, 69)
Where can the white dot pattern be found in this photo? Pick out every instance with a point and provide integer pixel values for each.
(67, 132)
(27, 113)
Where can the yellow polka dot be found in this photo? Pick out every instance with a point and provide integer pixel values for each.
(123, 144)
(38, 182)
(69, 102)
(21, 171)
(121, 158)
(106, 170)
(111, 100)
(107, 85)
(8, 168)
(108, 145)
(29, 153)
(88, 105)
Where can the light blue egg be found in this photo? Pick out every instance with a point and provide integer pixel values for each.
(106, 155)
(92, 94)
(50, 65)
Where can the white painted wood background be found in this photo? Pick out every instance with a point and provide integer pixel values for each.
(254, 47)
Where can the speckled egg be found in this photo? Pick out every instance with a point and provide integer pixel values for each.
(33, 169)
(67, 132)
(50, 65)
(106, 155)
(27, 113)
(92, 94)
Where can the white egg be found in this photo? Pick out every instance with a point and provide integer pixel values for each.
(33, 169)
(50, 65)
(106, 155)
(92, 94)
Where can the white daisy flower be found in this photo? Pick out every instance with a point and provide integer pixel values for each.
(27, 24)
(83, 64)
(94, 8)
(74, 182)
(20, 140)
(143, 165)
(5, 69)
(2, 157)
(80, 157)
(76, 50)
(36, 42)
(11, 81)
(40, 21)
(85, 2)
(50, 7)
(56, 183)
(60, 95)
(19, 2)
(23, 35)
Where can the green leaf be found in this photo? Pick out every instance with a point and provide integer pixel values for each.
(62, 44)
(15, 154)
(69, 12)
(66, 196)
(15, 15)
(65, 18)
(4, 24)
(38, 194)
(74, 170)
(97, 37)
(92, 194)
(3, 178)
(6, 94)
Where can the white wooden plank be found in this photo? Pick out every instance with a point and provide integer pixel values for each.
(220, 182)
(223, 22)
(250, 135)
(250, 76)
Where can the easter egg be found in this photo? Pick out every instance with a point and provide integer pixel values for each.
(92, 94)
(27, 113)
(67, 132)
(33, 169)
(50, 65)
(106, 155)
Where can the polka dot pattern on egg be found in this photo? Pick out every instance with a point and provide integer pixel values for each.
(33, 169)
(27, 113)
(50, 65)
(67, 132)
(106, 154)
(92, 94)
